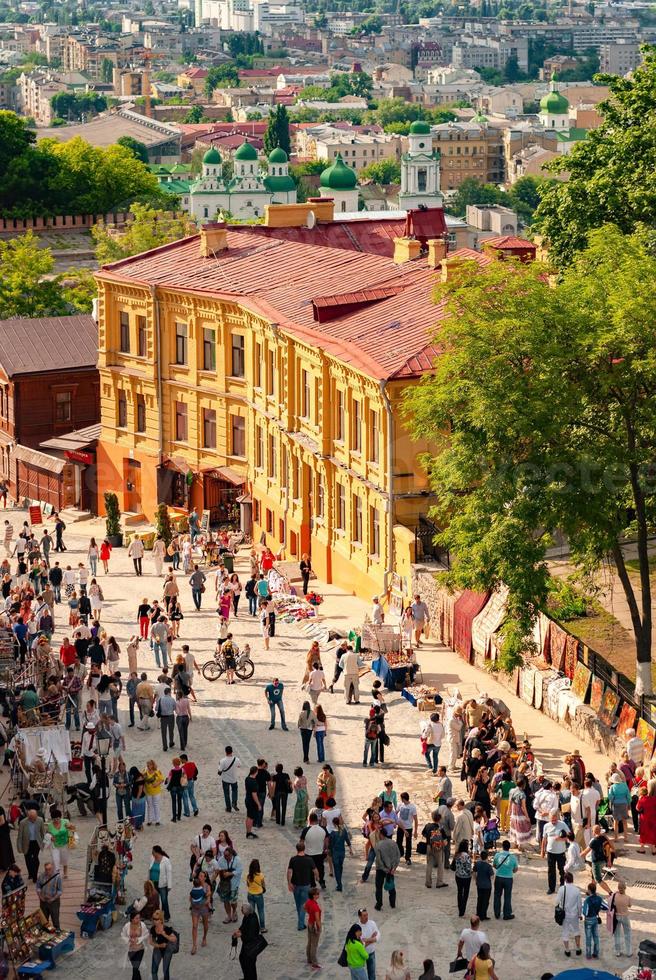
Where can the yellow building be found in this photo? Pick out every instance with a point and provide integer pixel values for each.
(260, 378)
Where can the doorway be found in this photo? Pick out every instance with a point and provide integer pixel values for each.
(132, 477)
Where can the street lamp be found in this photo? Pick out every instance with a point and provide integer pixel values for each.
(103, 740)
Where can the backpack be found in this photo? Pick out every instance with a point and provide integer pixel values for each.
(436, 840)
(372, 730)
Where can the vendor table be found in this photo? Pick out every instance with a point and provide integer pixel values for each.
(390, 676)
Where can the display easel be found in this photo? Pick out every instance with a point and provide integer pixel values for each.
(102, 896)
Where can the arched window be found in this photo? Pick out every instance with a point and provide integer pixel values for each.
(206, 213)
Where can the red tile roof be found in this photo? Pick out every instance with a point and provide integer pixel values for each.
(508, 241)
(382, 322)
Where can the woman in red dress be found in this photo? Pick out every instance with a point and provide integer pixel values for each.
(646, 807)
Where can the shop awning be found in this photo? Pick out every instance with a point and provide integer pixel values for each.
(76, 440)
(41, 461)
(226, 473)
(245, 498)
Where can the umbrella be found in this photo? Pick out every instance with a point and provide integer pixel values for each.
(585, 974)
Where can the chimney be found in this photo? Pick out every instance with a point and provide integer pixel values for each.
(213, 239)
(406, 250)
(437, 249)
(451, 266)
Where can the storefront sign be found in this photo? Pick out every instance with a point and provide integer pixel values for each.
(35, 515)
(78, 456)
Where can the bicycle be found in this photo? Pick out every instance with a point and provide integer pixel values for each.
(213, 669)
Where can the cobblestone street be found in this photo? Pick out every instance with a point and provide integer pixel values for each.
(424, 924)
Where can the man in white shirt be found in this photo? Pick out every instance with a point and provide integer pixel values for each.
(200, 844)
(590, 797)
(228, 767)
(406, 819)
(331, 815)
(350, 664)
(635, 747)
(370, 937)
(577, 814)
(315, 839)
(554, 845)
(544, 801)
(471, 940)
(316, 683)
(377, 614)
(433, 732)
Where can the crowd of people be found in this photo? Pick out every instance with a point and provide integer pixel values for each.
(492, 804)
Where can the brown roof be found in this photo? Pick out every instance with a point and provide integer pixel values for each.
(52, 343)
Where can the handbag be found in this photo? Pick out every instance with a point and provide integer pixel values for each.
(390, 884)
(559, 911)
(460, 963)
(342, 958)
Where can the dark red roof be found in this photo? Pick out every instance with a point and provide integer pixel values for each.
(508, 241)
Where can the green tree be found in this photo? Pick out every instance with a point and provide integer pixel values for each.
(106, 70)
(472, 191)
(277, 131)
(524, 196)
(136, 148)
(540, 410)
(27, 285)
(386, 171)
(148, 229)
(195, 114)
(76, 105)
(611, 172)
(223, 76)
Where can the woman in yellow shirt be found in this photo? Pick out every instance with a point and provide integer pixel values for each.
(153, 780)
(484, 964)
(256, 887)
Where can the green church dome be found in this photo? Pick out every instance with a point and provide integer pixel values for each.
(420, 128)
(246, 152)
(553, 101)
(279, 183)
(278, 155)
(338, 177)
(212, 156)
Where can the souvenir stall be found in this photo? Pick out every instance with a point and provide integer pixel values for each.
(422, 696)
(109, 857)
(31, 946)
(288, 605)
(389, 659)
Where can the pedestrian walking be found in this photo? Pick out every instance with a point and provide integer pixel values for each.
(161, 875)
(174, 786)
(619, 799)
(136, 934)
(568, 901)
(273, 693)
(593, 904)
(315, 838)
(49, 891)
(421, 617)
(316, 682)
(138, 798)
(301, 803)
(197, 581)
(158, 554)
(470, 941)
(153, 781)
(505, 867)
(301, 876)
(252, 942)
(435, 842)
(31, 831)
(200, 904)
(387, 861)
(281, 787)
(338, 840)
(228, 772)
(350, 664)
(484, 875)
(306, 724)
(481, 966)
(432, 733)
(554, 845)
(620, 903)
(60, 527)
(255, 888)
(463, 874)
(164, 941)
(369, 936)
(136, 553)
(105, 555)
(166, 715)
(252, 802)
(397, 969)
(355, 953)
(229, 869)
(407, 826)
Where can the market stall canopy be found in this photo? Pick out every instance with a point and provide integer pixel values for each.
(226, 473)
(465, 610)
(75, 440)
(41, 461)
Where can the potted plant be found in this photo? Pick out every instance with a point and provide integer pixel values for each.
(164, 527)
(113, 520)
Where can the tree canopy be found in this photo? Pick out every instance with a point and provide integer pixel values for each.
(541, 411)
(386, 171)
(51, 178)
(138, 149)
(223, 76)
(149, 229)
(28, 287)
(523, 196)
(77, 105)
(277, 131)
(611, 172)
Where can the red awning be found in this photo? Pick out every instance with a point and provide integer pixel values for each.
(225, 473)
(466, 608)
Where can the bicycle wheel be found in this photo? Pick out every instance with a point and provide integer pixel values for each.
(245, 670)
(211, 670)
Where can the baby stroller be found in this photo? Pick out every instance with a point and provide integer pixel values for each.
(491, 834)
